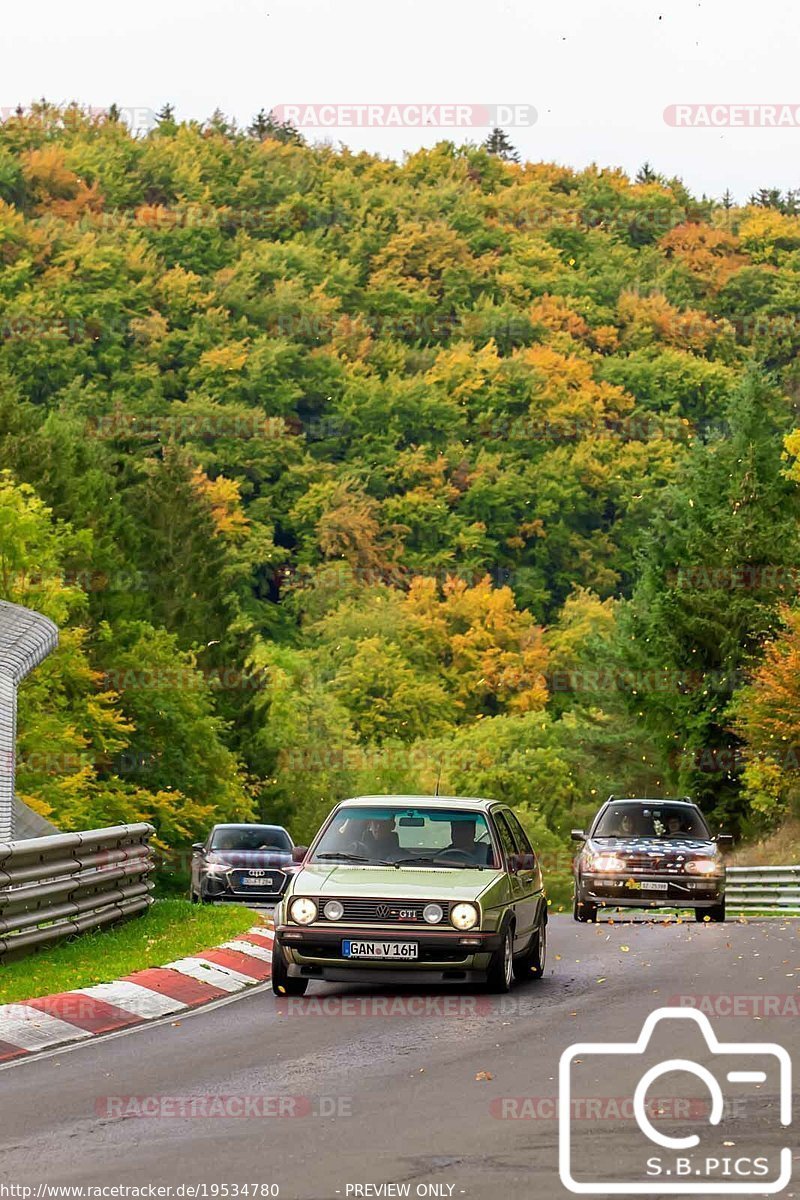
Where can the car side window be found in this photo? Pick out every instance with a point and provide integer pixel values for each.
(505, 834)
(523, 841)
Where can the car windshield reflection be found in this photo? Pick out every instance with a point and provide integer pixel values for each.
(383, 836)
(663, 821)
(251, 838)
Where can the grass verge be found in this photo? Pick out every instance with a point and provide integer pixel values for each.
(170, 929)
(779, 849)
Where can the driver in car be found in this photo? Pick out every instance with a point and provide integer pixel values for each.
(463, 844)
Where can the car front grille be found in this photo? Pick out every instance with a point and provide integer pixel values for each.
(385, 912)
(643, 864)
(270, 883)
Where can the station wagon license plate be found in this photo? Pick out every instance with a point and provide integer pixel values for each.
(404, 950)
(651, 885)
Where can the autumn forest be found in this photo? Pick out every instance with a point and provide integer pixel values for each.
(341, 475)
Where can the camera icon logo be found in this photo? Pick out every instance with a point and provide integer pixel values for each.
(737, 1074)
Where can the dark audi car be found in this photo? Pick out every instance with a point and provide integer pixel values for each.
(241, 863)
(650, 854)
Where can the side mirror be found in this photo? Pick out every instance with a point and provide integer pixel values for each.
(578, 835)
(725, 841)
(198, 847)
(299, 853)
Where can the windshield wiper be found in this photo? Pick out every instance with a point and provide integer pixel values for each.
(345, 856)
(442, 862)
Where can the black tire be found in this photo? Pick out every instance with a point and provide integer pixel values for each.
(282, 983)
(717, 913)
(531, 964)
(193, 897)
(584, 910)
(500, 975)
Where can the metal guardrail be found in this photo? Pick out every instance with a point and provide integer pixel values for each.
(764, 889)
(54, 887)
(26, 638)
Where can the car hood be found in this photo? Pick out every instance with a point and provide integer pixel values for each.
(674, 848)
(409, 883)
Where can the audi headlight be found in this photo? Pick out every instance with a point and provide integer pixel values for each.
(608, 862)
(703, 866)
(464, 916)
(302, 910)
(333, 910)
(433, 913)
(216, 866)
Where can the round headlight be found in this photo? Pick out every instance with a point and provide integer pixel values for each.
(433, 913)
(334, 910)
(464, 916)
(302, 910)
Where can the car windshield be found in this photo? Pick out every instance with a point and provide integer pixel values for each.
(437, 837)
(651, 821)
(251, 837)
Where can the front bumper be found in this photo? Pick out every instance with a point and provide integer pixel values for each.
(315, 952)
(222, 889)
(623, 891)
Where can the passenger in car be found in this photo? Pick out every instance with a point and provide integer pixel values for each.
(380, 839)
(675, 825)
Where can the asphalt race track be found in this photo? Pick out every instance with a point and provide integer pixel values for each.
(452, 1095)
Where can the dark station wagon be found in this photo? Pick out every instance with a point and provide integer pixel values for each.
(650, 854)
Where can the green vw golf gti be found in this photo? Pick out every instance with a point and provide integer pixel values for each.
(413, 889)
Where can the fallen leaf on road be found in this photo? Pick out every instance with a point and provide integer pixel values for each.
(483, 1075)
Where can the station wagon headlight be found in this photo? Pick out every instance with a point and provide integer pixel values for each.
(334, 910)
(464, 916)
(302, 910)
(433, 913)
(703, 866)
(607, 862)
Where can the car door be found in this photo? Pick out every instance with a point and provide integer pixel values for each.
(517, 887)
(529, 876)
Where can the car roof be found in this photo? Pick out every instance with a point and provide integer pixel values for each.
(650, 800)
(475, 803)
(247, 825)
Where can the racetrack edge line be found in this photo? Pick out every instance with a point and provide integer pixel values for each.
(169, 1019)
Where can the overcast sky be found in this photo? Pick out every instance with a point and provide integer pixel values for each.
(599, 73)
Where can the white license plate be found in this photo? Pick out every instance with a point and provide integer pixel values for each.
(648, 885)
(263, 881)
(402, 950)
